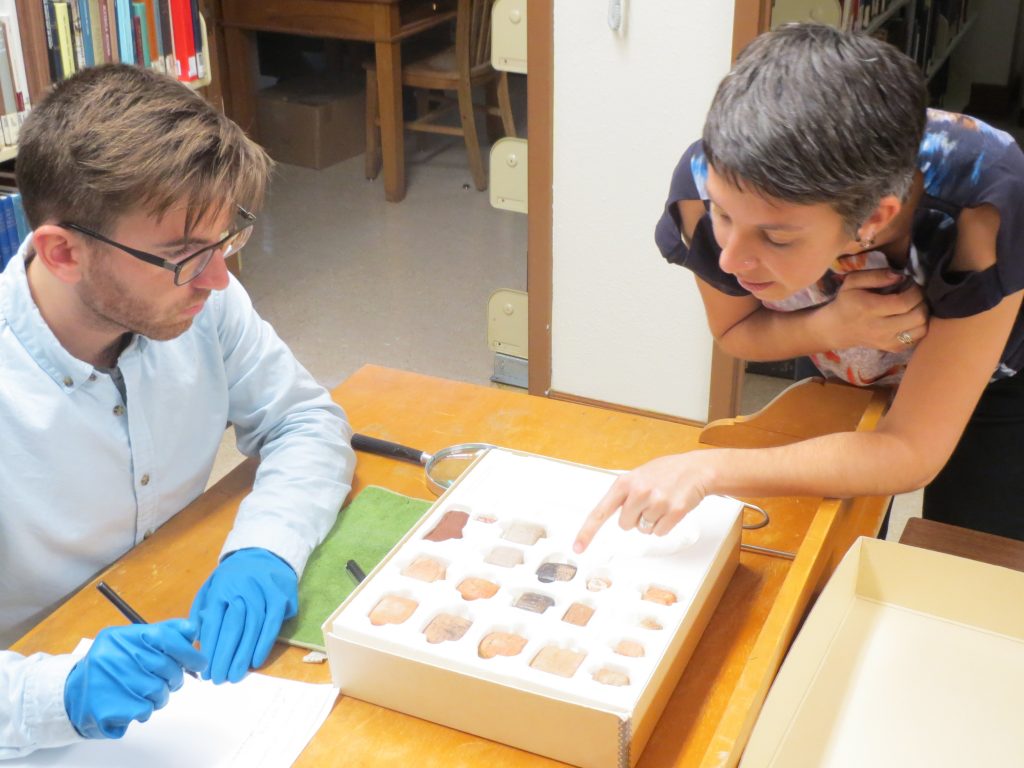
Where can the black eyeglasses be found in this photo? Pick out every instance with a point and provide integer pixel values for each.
(190, 267)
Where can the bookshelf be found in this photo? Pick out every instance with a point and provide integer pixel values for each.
(34, 48)
(36, 55)
(938, 61)
(878, 21)
(928, 31)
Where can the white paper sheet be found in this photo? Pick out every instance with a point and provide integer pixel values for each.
(261, 722)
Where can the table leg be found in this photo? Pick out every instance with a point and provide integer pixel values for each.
(241, 54)
(389, 89)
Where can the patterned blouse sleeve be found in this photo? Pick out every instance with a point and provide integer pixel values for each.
(953, 294)
(701, 257)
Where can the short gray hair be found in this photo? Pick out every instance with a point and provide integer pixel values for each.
(810, 114)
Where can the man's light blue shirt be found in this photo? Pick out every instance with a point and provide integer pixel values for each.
(86, 474)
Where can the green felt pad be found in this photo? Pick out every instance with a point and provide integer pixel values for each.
(366, 530)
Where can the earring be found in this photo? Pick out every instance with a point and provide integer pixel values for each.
(867, 242)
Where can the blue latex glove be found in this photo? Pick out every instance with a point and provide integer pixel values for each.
(240, 609)
(127, 674)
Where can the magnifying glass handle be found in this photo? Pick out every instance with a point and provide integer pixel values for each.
(388, 448)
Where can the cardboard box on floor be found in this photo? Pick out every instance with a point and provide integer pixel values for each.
(312, 122)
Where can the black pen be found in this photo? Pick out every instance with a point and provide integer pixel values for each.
(127, 611)
(356, 571)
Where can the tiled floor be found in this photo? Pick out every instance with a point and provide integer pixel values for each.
(347, 278)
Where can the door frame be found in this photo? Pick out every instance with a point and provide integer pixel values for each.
(751, 17)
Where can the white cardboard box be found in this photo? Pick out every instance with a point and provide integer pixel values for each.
(576, 719)
(909, 657)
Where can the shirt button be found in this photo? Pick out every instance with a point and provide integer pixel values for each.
(92, 377)
(119, 410)
(144, 480)
(147, 534)
(68, 381)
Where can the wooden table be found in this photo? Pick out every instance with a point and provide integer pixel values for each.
(963, 542)
(385, 23)
(706, 720)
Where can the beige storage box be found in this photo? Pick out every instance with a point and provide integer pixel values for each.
(311, 122)
(909, 657)
(483, 619)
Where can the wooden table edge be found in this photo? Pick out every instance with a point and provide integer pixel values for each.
(809, 570)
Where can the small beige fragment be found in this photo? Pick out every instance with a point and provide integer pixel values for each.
(501, 644)
(578, 614)
(392, 609)
(524, 533)
(659, 596)
(629, 648)
(558, 661)
(598, 583)
(649, 623)
(609, 676)
(445, 627)
(486, 519)
(475, 588)
(314, 657)
(425, 569)
(505, 557)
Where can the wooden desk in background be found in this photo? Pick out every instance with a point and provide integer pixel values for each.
(707, 719)
(385, 23)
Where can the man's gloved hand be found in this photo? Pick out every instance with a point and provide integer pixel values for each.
(240, 609)
(127, 673)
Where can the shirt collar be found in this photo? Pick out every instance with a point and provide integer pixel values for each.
(22, 316)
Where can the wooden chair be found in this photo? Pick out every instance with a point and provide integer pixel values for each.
(459, 68)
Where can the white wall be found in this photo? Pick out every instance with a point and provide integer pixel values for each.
(627, 327)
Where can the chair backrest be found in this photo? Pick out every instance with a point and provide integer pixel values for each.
(473, 35)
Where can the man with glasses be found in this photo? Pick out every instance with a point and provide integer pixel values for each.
(125, 348)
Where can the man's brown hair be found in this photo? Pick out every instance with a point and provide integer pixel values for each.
(118, 139)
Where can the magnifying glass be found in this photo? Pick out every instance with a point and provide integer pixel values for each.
(442, 468)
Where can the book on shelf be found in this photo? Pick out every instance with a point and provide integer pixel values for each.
(66, 48)
(140, 35)
(13, 225)
(125, 35)
(52, 46)
(197, 40)
(184, 41)
(95, 47)
(108, 15)
(166, 34)
(156, 60)
(85, 30)
(77, 41)
(8, 229)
